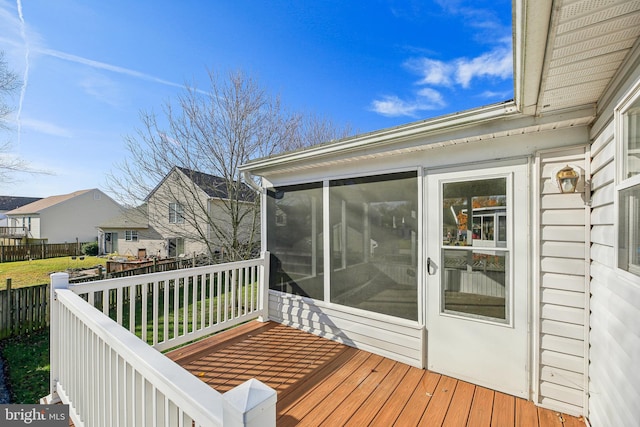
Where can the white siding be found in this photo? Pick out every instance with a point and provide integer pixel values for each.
(562, 291)
(614, 378)
(77, 218)
(389, 337)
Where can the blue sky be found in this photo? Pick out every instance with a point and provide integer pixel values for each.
(89, 67)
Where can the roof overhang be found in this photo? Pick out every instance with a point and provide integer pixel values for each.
(473, 126)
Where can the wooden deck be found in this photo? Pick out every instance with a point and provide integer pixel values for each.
(321, 382)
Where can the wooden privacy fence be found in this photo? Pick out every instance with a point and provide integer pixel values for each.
(23, 310)
(39, 251)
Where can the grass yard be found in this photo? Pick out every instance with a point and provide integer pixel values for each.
(36, 272)
(27, 366)
(180, 320)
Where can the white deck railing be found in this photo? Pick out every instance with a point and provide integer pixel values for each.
(103, 368)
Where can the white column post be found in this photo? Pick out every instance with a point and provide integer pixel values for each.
(58, 281)
(263, 287)
(251, 404)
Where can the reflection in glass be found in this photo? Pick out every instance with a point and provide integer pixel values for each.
(374, 243)
(475, 280)
(294, 238)
(631, 136)
(629, 230)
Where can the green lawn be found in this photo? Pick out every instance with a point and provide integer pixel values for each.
(27, 366)
(36, 272)
(209, 305)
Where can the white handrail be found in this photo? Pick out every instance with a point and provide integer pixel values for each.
(170, 308)
(110, 377)
(90, 342)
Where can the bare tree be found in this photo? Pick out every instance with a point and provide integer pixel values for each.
(10, 163)
(9, 83)
(213, 132)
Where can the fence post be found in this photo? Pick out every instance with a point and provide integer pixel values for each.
(263, 287)
(251, 404)
(7, 310)
(58, 281)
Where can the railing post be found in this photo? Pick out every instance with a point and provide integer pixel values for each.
(251, 404)
(58, 281)
(263, 287)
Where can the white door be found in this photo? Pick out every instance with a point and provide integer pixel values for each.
(478, 275)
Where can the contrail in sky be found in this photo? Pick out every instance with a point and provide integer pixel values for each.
(25, 78)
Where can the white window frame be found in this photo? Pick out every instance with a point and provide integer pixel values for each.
(131, 235)
(622, 182)
(176, 213)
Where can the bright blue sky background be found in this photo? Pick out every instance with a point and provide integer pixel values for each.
(90, 66)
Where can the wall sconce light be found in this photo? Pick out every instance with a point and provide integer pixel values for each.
(567, 179)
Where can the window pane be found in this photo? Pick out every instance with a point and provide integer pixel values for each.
(475, 283)
(373, 238)
(486, 201)
(631, 131)
(475, 280)
(629, 230)
(294, 238)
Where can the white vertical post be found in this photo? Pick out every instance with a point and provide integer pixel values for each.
(58, 281)
(251, 404)
(263, 287)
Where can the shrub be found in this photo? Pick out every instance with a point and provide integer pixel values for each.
(90, 249)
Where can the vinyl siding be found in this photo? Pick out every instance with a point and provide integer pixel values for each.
(562, 294)
(614, 380)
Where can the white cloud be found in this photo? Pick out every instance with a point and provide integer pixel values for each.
(434, 72)
(495, 63)
(46, 128)
(498, 62)
(102, 88)
(104, 66)
(393, 106)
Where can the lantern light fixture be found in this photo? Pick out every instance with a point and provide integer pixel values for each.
(567, 179)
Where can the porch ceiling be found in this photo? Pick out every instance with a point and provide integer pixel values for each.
(588, 41)
(322, 382)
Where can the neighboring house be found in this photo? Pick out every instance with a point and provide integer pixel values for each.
(64, 218)
(9, 236)
(459, 243)
(178, 218)
(130, 234)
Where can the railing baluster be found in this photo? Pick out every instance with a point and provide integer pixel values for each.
(176, 308)
(154, 301)
(165, 311)
(132, 308)
(143, 311)
(202, 285)
(185, 304)
(194, 303)
(219, 298)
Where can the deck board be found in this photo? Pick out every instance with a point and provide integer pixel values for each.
(460, 406)
(322, 382)
(481, 408)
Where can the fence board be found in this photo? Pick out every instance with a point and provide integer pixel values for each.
(9, 253)
(23, 310)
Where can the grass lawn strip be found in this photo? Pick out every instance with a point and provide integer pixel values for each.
(36, 272)
(27, 366)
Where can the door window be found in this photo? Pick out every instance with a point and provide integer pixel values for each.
(475, 280)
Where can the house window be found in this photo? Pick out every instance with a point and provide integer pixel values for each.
(176, 213)
(131, 235)
(629, 186)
